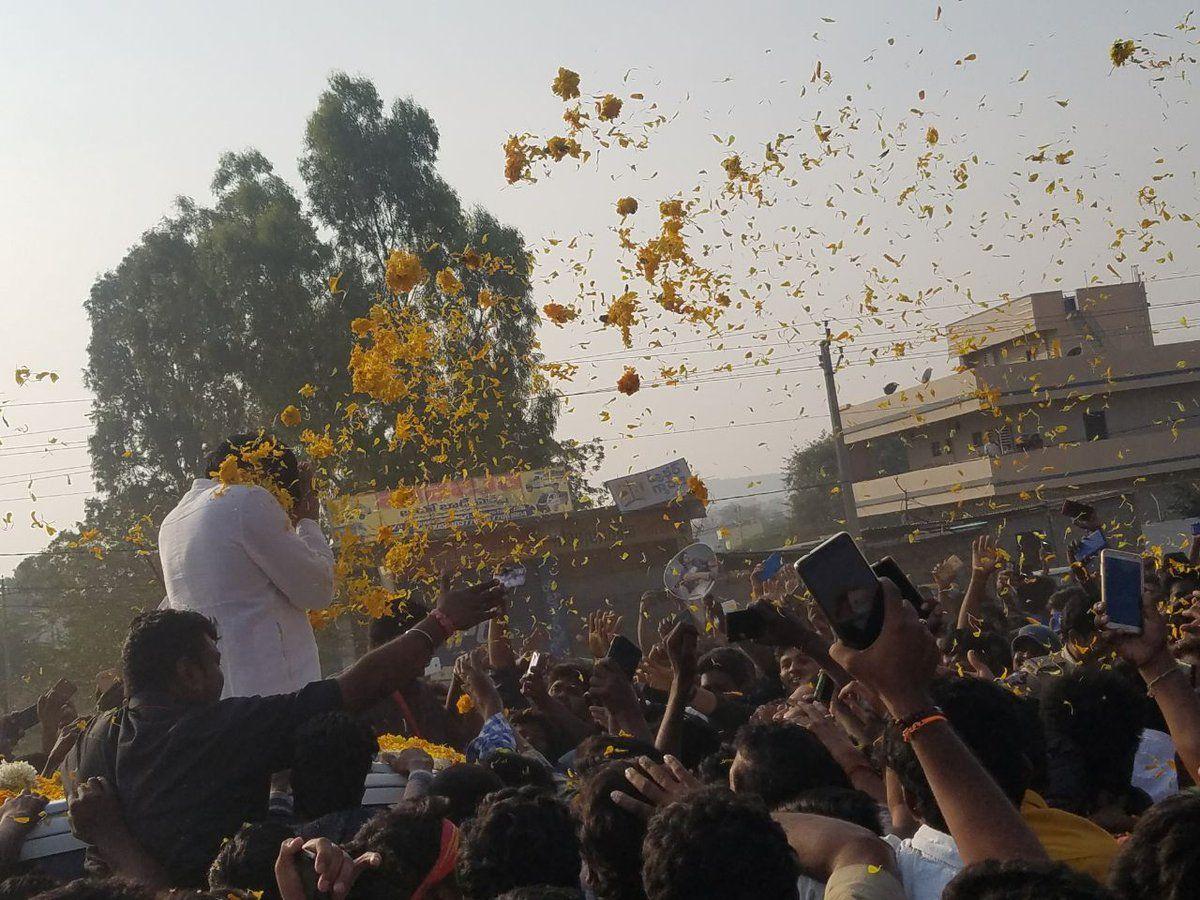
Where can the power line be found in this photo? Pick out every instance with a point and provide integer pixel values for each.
(4, 404)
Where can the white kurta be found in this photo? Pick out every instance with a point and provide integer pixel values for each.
(232, 554)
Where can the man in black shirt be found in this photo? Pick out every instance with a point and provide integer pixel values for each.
(190, 768)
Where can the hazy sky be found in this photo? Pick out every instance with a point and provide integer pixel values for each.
(111, 110)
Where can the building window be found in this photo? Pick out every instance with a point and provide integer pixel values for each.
(977, 439)
(937, 448)
(1095, 425)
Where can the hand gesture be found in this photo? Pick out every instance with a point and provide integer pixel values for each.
(984, 556)
(471, 671)
(534, 687)
(23, 810)
(336, 870)
(858, 713)
(602, 626)
(1139, 649)
(943, 574)
(659, 784)
(655, 669)
(681, 650)
(467, 607)
(610, 688)
(900, 665)
(94, 809)
(414, 759)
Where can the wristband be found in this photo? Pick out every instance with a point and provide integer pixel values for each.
(1156, 679)
(444, 620)
(417, 629)
(907, 721)
(916, 726)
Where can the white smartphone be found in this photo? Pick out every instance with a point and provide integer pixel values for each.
(1121, 590)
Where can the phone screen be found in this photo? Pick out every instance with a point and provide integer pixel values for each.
(1091, 545)
(823, 691)
(847, 590)
(511, 576)
(1196, 527)
(743, 625)
(625, 654)
(1073, 509)
(1121, 589)
(889, 568)
(770, 567)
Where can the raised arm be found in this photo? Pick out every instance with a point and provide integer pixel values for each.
(983, 564)
(900, 666)
(825, 845)
(297, 560)
(500, 649)
(681, 651)
(388, 668)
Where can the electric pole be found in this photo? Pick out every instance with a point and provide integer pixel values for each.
(845, 485)
(4, 662)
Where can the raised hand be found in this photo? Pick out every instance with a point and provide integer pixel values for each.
(336, 870)
(467, 607)
(659, 784)
(984, 556)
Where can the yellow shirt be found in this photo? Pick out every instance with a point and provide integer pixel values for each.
(1081, 844)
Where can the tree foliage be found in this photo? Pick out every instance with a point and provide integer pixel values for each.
(811, 474)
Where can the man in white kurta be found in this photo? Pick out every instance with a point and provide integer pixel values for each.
(232, 553)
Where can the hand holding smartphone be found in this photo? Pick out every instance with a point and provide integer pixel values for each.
(1121, 590)
(846, 589)
(625, 654)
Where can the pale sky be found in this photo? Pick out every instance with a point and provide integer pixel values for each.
(111, 110)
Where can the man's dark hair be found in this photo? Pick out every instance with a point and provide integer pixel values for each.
(408, 839)
(1159, 861)
(22, 881)
(847, 804)
(1076, 605)
(333, 755)
(597, 750)
(1033, 593)
(1024, 880)
(247, 860)
(780, 761)
(714, 768)
(520, 836)
(464, 785)
(541, 892)
(101, 889)
(610, 838)
(569, 671)
(280, 465)
(1095, 716)
(400, 619)
(518, 770)
(159, 639)
(734, 662)
(989, 721)
(714, 844)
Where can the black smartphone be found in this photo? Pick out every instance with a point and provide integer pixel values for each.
(626, 654)
(743, 625)
(842, 583)
(1073, 509)
(889, 568)
(1090, 546)
(823, 691)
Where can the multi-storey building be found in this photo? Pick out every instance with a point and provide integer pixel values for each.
(1055, 395)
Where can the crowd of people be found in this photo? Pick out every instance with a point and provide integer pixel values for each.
(1000, 742)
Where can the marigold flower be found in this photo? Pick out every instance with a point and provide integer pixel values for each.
(733, 167)
(559, 314)
(670, 209)
(464, 704)
(1121, 52)
(395, 743)
(608, 107)
(931, 135)
(307, 391)
(566, 84)
(516, 159)
(471, 259)
(318, 446)
(404, 272)
(558, 147)
(626, 206)
(629, 383)
(487, 299)
(698, 489)
(290, 416)
(448, 282)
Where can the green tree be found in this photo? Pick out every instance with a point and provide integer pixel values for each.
(811, 474)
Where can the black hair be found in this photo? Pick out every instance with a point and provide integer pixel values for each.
(780, 761)
(1096, 716)
(1159, 861)
(464, 785)
(1021, 879)
(610, 838)
(280, 465)
(597, 749)
(535, 718)
(247, 860)
(519, 836)
(333, 754)
(733, 661)
(101, 889)
(1076, 605)
(404, 615)
(157, 641)
(698, 740)
(847, 804)
(408, 839)
(989, 721)
(714, 768)
(21, 881)
(569, 671)
(541, 892)
(715, 844)
(518, 770)
(1033, 594)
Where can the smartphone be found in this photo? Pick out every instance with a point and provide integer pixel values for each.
(889, 568)
(1196, 527)
(770, 567)
(535, 660)
(823, 691)
(1090, 546)
(626, 654)
(743, 625)
(1121, 590)
(511, 577)
(1073, 509)
(842, 583)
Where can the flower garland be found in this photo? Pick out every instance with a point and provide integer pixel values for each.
(396, 743)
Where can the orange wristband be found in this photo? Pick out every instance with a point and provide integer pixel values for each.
(916, 726)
